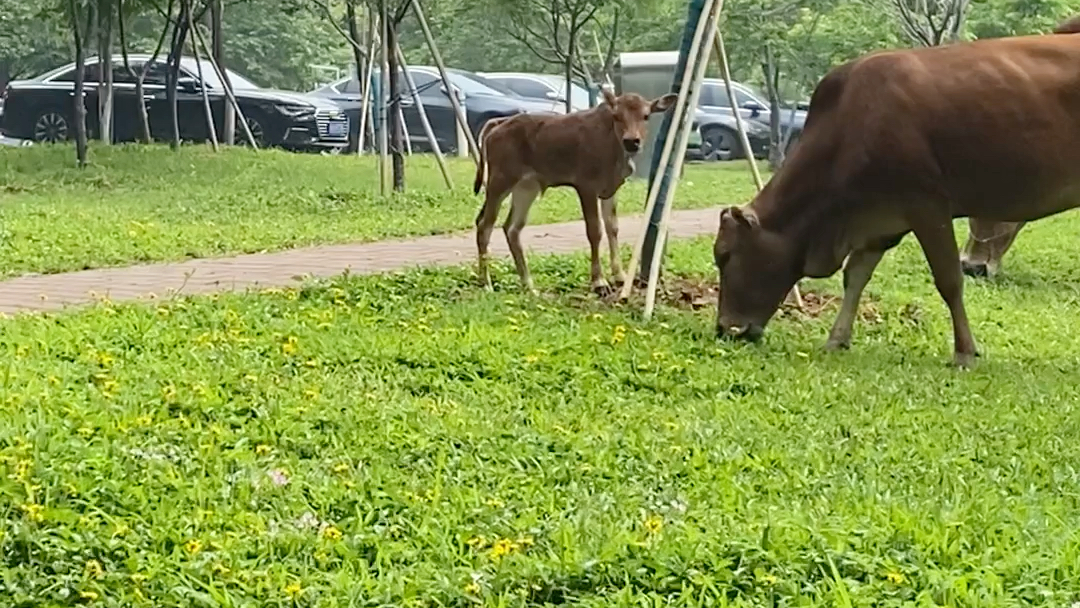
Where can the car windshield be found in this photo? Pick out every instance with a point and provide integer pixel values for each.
(470, 86)
(491, 84)
(210, 76)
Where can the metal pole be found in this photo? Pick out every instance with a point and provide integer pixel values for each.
(424, 119)
(702, 51)
(463, 122)
(693, 19)
(202, 87)
(383, 104)
(667, 128)
(365, 97)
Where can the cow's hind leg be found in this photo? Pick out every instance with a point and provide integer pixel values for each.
(521, 200)
(590, 209)
(610, 213)
(497, 189)
(935, 234)
(858, 269)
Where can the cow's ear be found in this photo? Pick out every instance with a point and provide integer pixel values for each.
(736, 220)
(663, 103)
(609, 95)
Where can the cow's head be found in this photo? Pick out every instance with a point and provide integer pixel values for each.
(757, 269)
(631, 112)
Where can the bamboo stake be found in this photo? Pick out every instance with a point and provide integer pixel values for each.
(218, 70)
(424, 119)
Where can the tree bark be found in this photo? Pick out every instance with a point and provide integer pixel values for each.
(105, 73)
(175, 52)
(79, 109)
(571, 49)
(217, 42)
(771, 72)
(358, 59)
(397, 160)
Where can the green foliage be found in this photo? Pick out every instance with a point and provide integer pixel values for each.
(409, 440)
(138, 204)
(996, 18)
(33, 37)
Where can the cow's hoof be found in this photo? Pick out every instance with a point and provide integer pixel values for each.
(964, 361)
(603, 290)
(978, 270)
(834, 345)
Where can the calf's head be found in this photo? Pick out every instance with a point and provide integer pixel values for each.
(757, 269)
(631, 112)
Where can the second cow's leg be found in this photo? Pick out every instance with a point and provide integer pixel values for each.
(986, 246)
(610, 212)
(521, 200)
(590, 209)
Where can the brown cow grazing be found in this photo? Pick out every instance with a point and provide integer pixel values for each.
(905, 141)
(591, 150)
(988, 241)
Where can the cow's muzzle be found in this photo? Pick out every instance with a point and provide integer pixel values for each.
(748, 332)
(631, 145)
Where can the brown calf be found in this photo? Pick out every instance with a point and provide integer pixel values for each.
(591, 150)
(905, 141)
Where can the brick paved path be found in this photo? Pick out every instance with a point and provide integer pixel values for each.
(279, 269)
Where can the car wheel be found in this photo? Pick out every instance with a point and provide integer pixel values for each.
(257, 132)
(51, 126)
(719, 143)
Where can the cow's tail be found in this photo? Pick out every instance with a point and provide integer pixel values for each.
(481, 140)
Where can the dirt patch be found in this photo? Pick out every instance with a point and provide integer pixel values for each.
(697, 293)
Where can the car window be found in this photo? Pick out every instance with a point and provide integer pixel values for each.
(349, 86)
(121, 74)
(425, 82)
(90, 74)
(527, 88)
(714, 95)
(157, 74)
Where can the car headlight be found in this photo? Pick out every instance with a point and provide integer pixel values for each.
(295, 110)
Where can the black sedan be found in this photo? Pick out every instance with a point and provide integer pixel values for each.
(482, 102)
(40, 109)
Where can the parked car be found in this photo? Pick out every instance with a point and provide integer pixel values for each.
(40, 108)
(482, 102)
(753, 105)
(542, 87)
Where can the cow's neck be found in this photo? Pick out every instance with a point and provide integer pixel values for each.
(796, 205)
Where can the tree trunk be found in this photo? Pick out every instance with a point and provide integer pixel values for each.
(177, 47)
(217, 41)
(358, 59)
(105, 73)
(79, 110)
(5, 74)
(394, 110)
(771, 72)
(569, 70)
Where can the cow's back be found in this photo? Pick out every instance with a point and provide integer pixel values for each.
(990, 126)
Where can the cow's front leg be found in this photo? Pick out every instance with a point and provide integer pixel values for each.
(590, 209)
(858, 269)
(610, 213)
(935, 234)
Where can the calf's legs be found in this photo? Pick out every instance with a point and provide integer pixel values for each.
(591, 211)
(610, 214)
(521, 200)
(496, 190)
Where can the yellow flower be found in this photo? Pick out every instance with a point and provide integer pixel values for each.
(472, 588)
(332, 533)
(476, 542)
(293, 590)
(262, 449)
(494, 503)
(653, 524)
(94, 569)
(341, 468)
(895, 577)
(88, 596)
(290, 345)
(618, 335)
(138, 578)
(502, 548)
(34, 512)
(220, 570)
(104, 359)
(193, 546)
(86, 431)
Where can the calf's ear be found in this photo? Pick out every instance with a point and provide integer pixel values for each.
(663, 103)
(609, 95)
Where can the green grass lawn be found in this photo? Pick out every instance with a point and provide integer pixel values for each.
(141, 204)
(409, 440)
